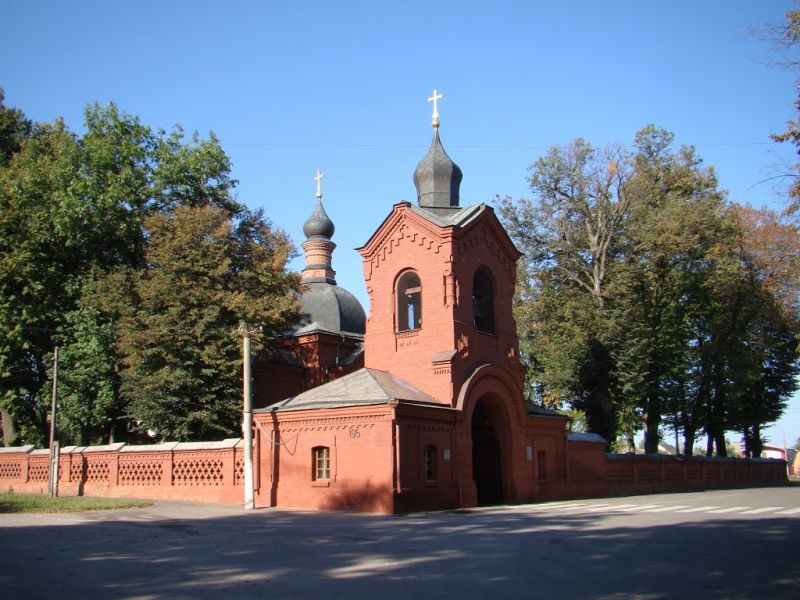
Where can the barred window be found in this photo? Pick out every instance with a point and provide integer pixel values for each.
(541, 463)
(430, 456)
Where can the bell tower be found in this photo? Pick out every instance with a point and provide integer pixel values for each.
(440, 279)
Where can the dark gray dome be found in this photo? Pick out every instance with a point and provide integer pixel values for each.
(437, 178)
(326, 307)
(319, 224)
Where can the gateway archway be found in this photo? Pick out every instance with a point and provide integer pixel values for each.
(488, 434)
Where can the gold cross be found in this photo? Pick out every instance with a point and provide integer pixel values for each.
(436, 96)
(319, 177)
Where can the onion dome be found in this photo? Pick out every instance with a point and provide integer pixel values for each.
(324, 306)
(319, 224)
(437, 178)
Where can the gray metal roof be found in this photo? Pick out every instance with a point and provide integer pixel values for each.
(364, 387)
(542, 411)
(456, 218)
(329, 308)
(580, 436)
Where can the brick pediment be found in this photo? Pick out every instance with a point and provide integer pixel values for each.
(403, 227)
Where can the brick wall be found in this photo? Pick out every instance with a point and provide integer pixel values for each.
(592, 472)
(199, 471)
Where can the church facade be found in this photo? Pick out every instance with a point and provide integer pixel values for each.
(429, 411)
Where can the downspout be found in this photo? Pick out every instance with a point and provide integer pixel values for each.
(395, 450)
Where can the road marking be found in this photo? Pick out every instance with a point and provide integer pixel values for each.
(727, 510)
(791, 511)
(638, 507)
(556, 505)
(697, 509)
(667, 508)
(570, 506)
(758, 511)
(597, 507)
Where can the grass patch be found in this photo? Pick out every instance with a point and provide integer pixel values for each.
(22, 503)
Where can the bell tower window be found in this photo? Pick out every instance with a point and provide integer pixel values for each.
(483, 302)
(409, 302)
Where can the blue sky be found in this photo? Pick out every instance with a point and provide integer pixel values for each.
(342, 86)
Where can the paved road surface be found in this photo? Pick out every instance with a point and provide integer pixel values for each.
(723, 544)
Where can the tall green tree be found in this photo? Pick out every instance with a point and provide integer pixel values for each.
(69, 206)
(568, 234)
(667, 239)
(205, 272)
(90, 407)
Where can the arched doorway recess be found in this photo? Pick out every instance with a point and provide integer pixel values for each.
(487, 455)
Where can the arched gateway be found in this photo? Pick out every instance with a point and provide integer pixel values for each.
(488, 428)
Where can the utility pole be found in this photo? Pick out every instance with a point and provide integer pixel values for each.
(247, 420)
(52, 479)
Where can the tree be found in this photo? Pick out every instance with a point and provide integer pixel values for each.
(764, 358)
(71, 206)
(664, 253)
(90, 404)
(567, 235)
(205, 272)
(786, 37)
(15, 127)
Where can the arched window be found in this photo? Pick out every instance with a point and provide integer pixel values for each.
(320, 463)
(409, 302)
(483, 302)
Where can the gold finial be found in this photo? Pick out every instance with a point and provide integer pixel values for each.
(436, 96)
(319, 177)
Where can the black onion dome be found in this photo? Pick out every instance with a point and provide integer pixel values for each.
(437, 178)
(326, 307)
(319, 224)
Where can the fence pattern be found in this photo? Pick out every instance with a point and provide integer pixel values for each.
(629, 473)
(204, 471)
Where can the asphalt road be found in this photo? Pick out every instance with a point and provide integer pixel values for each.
(722, 544)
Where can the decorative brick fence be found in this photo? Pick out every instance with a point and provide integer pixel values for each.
(651, 473)
(213, 471)
(203, 471)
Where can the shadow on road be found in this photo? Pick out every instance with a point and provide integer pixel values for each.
(485, 553)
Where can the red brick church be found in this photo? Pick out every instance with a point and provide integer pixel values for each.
(419, 406)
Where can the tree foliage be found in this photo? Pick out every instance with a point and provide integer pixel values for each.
(786, 37)
(646, 300)
(73, 216)
(204, 275)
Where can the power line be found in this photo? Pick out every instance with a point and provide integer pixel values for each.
(461, 146)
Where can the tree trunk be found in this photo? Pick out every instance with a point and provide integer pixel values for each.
(651, 435)
(748, 446)
(688, 441)
(758, 445)
(719, 444)
(9, 429)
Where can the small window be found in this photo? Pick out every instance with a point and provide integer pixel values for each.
(483, 302)
(430, 456)
(409, 302)
(321, 463)
(541, 463)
